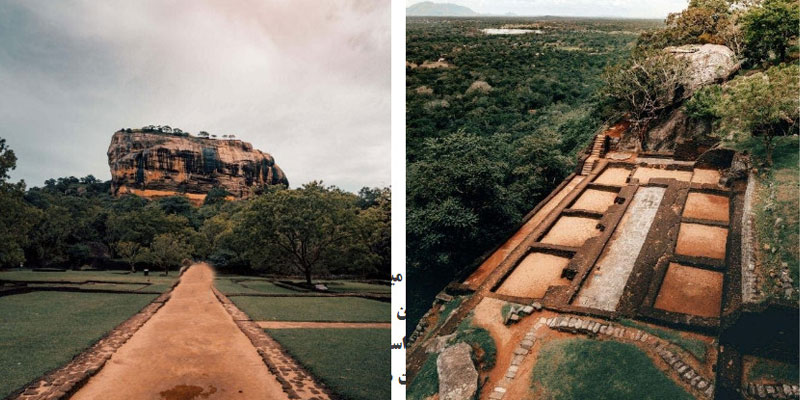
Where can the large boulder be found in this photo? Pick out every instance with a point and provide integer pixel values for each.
(708, 63)
(458, 378)
(154, 164)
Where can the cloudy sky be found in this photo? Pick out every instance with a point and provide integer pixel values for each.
(304, 80)
(581, 8)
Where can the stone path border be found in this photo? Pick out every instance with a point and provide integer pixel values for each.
(775, 391)
(295, 380)
(68, 379)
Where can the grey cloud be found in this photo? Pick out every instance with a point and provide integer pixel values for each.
(304, 80)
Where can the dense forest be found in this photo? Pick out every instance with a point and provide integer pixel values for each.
(312, 231)
(494, 127)
(495, 122)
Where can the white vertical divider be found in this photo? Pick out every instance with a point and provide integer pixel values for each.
(398, 105)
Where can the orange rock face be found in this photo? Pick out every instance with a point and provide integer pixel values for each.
(162, 164)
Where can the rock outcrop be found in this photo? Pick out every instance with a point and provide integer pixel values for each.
(675, 132)
(155, 164)
(708, 63)
(458, 378)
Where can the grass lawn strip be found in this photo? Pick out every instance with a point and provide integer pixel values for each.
(313, 309)
(351, 362)
(41, 331)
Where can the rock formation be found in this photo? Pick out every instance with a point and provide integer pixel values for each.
(458, 378)
(154, 164)
(708, 63)
(675, 132)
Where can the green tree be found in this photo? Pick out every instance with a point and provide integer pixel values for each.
(308, 230)
(168, 250)
(770, 29)
(16, 217)
(129, 251)
(216, 195)
(458, 195)
(644, 86)
(763, 105)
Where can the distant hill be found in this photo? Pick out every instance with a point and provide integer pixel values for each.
(431, 9)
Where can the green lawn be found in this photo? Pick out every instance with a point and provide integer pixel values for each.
(354, 363)
(40, 331)
(228, 286)
(266, 287)
(773, 371)
(426, 382)
(157, 282)
(341, 309)
(590, 369)
(357, 287)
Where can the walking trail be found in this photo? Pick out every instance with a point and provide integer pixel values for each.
(190, 349)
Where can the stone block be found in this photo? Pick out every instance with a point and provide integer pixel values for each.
(521, 351)
(527, 310)
(526, 344)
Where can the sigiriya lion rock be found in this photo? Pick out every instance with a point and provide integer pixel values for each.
(152, 162)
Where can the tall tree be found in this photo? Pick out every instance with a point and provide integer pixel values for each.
(309, 230)
(770, 29)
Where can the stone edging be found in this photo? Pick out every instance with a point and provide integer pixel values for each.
(294, 379)
(775, 391)
(68, 379)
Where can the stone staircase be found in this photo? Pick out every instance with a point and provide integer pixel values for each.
(597, 153)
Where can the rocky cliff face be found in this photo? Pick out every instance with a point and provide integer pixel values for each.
(675, 132)
(153, 164)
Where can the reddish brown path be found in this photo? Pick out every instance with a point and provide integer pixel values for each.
(190, 349)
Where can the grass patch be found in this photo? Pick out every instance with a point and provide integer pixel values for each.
(777, 192)
(41, 331)
(229, 285)
(481, 341)
(426, 383)
(505, 311)
(588, 369)
(157, 282)
(356, 287)
(354, 363)
(773, 371)
(262, 286)
(338, 309)
(696, 347)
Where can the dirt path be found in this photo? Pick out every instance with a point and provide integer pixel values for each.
(190, 349)
(321, 325)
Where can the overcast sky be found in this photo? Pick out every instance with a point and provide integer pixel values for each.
(304, 80)
(580, 8)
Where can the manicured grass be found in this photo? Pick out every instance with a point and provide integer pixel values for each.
(340, 309)
(357, 287)
(265, 287)
(698, 348)
(774, 371)
(157, 282)
(426, 382)
(589, 369)
(228, 286)
(354, 363)
(41, 331)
